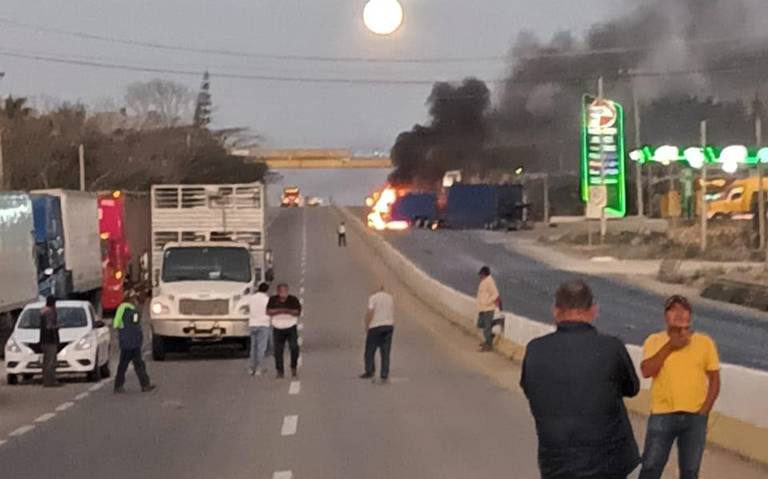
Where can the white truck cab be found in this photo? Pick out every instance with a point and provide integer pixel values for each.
(209, 252)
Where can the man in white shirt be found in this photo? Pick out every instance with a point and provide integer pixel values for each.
(342, 233)
(258, 323)
(380, 326)
(487, 301)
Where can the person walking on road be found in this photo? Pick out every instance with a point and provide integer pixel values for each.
(575, 380)
(49, 341)
(285, 309)
(259, 324)
(342, 234)
(487, 302)
(127, 322)
(380, 327)
(685, 368)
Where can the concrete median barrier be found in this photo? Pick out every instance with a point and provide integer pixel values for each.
(739, 422)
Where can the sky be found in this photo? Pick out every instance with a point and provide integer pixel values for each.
(285, 114)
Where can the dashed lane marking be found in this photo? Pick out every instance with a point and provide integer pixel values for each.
(290, 425)
(82, 396)
(300, 326)
(295, 387)
(21, 431)
(46, 417)
(282, 475)
(96, 386)
(64, 407)
(300, 341)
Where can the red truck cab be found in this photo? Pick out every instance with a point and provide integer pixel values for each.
(116, 254)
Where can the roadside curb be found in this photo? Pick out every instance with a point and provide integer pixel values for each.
(740, 424)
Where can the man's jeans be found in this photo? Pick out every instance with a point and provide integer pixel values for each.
(485, 321)
(690, 430)
(378, 338)
(259, 340)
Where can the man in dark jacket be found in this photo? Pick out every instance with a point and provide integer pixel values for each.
(128, 324)
(575, 380)
(49, 341)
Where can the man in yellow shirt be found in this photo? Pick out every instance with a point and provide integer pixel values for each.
(685, 369)
(487, 301)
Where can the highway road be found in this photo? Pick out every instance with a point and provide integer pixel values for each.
(449, 413)
(527, 287)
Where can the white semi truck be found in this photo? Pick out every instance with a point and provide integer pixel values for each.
(209, 250)
(18, 268)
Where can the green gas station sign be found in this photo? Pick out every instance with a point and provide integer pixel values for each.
(602, 152)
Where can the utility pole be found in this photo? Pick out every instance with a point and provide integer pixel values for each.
(546, 198)
(760, 189)
(638, 166)
(3, 173)
(703, 197)
(81, 158)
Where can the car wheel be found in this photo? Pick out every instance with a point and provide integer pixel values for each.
(12, 379)
(27, 377)
(158, 348)
(105, 372)
(94, 376)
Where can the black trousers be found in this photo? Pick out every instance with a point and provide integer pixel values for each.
(342, 239)
(128, 356)
(378, 338)
(50, 361)
(280, 336)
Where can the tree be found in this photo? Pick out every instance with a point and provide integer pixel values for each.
(159, 103)
(203, 106)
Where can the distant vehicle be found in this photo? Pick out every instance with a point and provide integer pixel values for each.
(84, 347)
(738, 201)
(314, 201)
(291, 197)
(209, 251)
(124, 225)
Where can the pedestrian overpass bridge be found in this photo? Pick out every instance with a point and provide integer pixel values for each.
(282, 159)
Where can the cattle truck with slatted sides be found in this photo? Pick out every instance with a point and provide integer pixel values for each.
(209, 251)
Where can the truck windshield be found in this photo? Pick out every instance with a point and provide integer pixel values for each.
(207, 264)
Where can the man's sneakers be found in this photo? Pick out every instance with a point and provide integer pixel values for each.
(294, 374)
(251, 372)
(279, 375)
(119, 390)
(485, 348)
(148, 388)
(366, 376)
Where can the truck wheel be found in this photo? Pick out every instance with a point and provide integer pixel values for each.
(12, 379)
(158, 348)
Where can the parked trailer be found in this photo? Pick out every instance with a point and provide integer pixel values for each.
(18, 269)
(417, 209)
(124, 225)
(82, 248)
(484, 206)
(49, 246)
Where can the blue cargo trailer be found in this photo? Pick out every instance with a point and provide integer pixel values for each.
(415, 208)
(485, 206)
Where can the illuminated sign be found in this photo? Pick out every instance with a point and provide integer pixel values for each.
(729, 157)
(602, 152)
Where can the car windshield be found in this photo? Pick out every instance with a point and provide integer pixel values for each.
(68, 317)
(207, 264)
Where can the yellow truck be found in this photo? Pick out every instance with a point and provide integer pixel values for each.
(738, 200)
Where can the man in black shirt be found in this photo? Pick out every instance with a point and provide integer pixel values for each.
(49, 341)
(285, 309)
(575, 380)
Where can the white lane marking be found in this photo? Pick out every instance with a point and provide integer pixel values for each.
(290, 425)
(301, 290)
(301, 341)
(82, 396)
(282, 475)
(295, 387)
(300, 362)
(46, 417)
(2, 441)
(21, 431)
(64, 407)
(96, 387)
(300, 326)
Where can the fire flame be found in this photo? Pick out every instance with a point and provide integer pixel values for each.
(379, 217)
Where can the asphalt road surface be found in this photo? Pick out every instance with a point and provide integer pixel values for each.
(527, 288)
(449, 413)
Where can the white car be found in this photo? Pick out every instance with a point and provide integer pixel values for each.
(84, 346)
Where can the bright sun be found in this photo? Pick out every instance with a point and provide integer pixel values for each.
(383, 16)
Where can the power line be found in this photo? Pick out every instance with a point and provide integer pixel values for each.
(626, 75)
(735, 41)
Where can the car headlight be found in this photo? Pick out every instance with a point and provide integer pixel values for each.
(160, 308)
(12, 346)
(85, 343)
